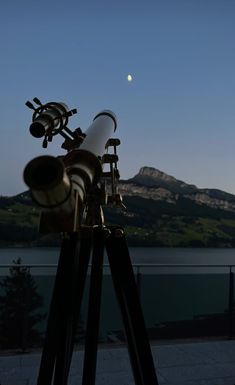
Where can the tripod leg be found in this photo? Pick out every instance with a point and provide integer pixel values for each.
(53, 325)
(89, 369)
(127, 295)
(73, 294)
(53, 345)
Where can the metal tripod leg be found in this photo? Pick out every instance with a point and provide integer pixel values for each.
(127, 296)
(58, 345)
(72, 307)
(90, 358)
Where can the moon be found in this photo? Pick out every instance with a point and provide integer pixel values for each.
(129, 78)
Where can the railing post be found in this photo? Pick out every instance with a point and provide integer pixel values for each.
(138, 281)
(231, 302)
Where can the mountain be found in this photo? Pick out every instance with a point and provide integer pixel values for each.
(154, 184)
(161, 211)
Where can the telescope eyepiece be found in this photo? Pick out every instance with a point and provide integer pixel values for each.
(43, 172)
(37, 129)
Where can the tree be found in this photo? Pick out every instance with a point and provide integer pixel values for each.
(19, 305)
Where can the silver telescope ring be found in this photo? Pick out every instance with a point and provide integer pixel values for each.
(63, 118)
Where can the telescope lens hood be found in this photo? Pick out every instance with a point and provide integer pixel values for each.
(109, 113)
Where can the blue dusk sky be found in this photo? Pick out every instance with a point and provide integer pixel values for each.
(177, 114)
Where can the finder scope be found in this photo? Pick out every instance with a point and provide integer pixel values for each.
(52, 118)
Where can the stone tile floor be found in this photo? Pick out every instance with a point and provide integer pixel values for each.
(188, 363)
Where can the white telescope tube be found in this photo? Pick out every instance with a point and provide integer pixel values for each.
(99, 132)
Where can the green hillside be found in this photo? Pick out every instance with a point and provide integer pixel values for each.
(158, 223)
(147, 222)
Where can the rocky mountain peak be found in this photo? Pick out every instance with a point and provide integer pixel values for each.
(154, 184)
(154, 173)
(152, 177)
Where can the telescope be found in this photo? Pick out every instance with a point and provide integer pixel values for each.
(71, 191)
(61, 185)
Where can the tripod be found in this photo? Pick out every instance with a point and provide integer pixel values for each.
(66, 305)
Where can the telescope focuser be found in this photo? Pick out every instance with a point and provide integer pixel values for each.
(113, 198)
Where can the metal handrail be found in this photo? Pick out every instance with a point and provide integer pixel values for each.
(7, 265)
(136, 265)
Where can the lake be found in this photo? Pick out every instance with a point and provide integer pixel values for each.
(139, 255)
(168, 294)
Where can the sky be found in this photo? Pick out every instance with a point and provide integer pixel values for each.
(177, 114)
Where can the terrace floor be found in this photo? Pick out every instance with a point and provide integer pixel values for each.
(188, 363)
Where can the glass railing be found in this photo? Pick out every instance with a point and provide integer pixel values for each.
(178, 301)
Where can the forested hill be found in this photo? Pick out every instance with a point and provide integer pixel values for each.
(161, 211)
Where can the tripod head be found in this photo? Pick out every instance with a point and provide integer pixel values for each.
(63, 187)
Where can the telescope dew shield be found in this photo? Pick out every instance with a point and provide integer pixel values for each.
(99, 132)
